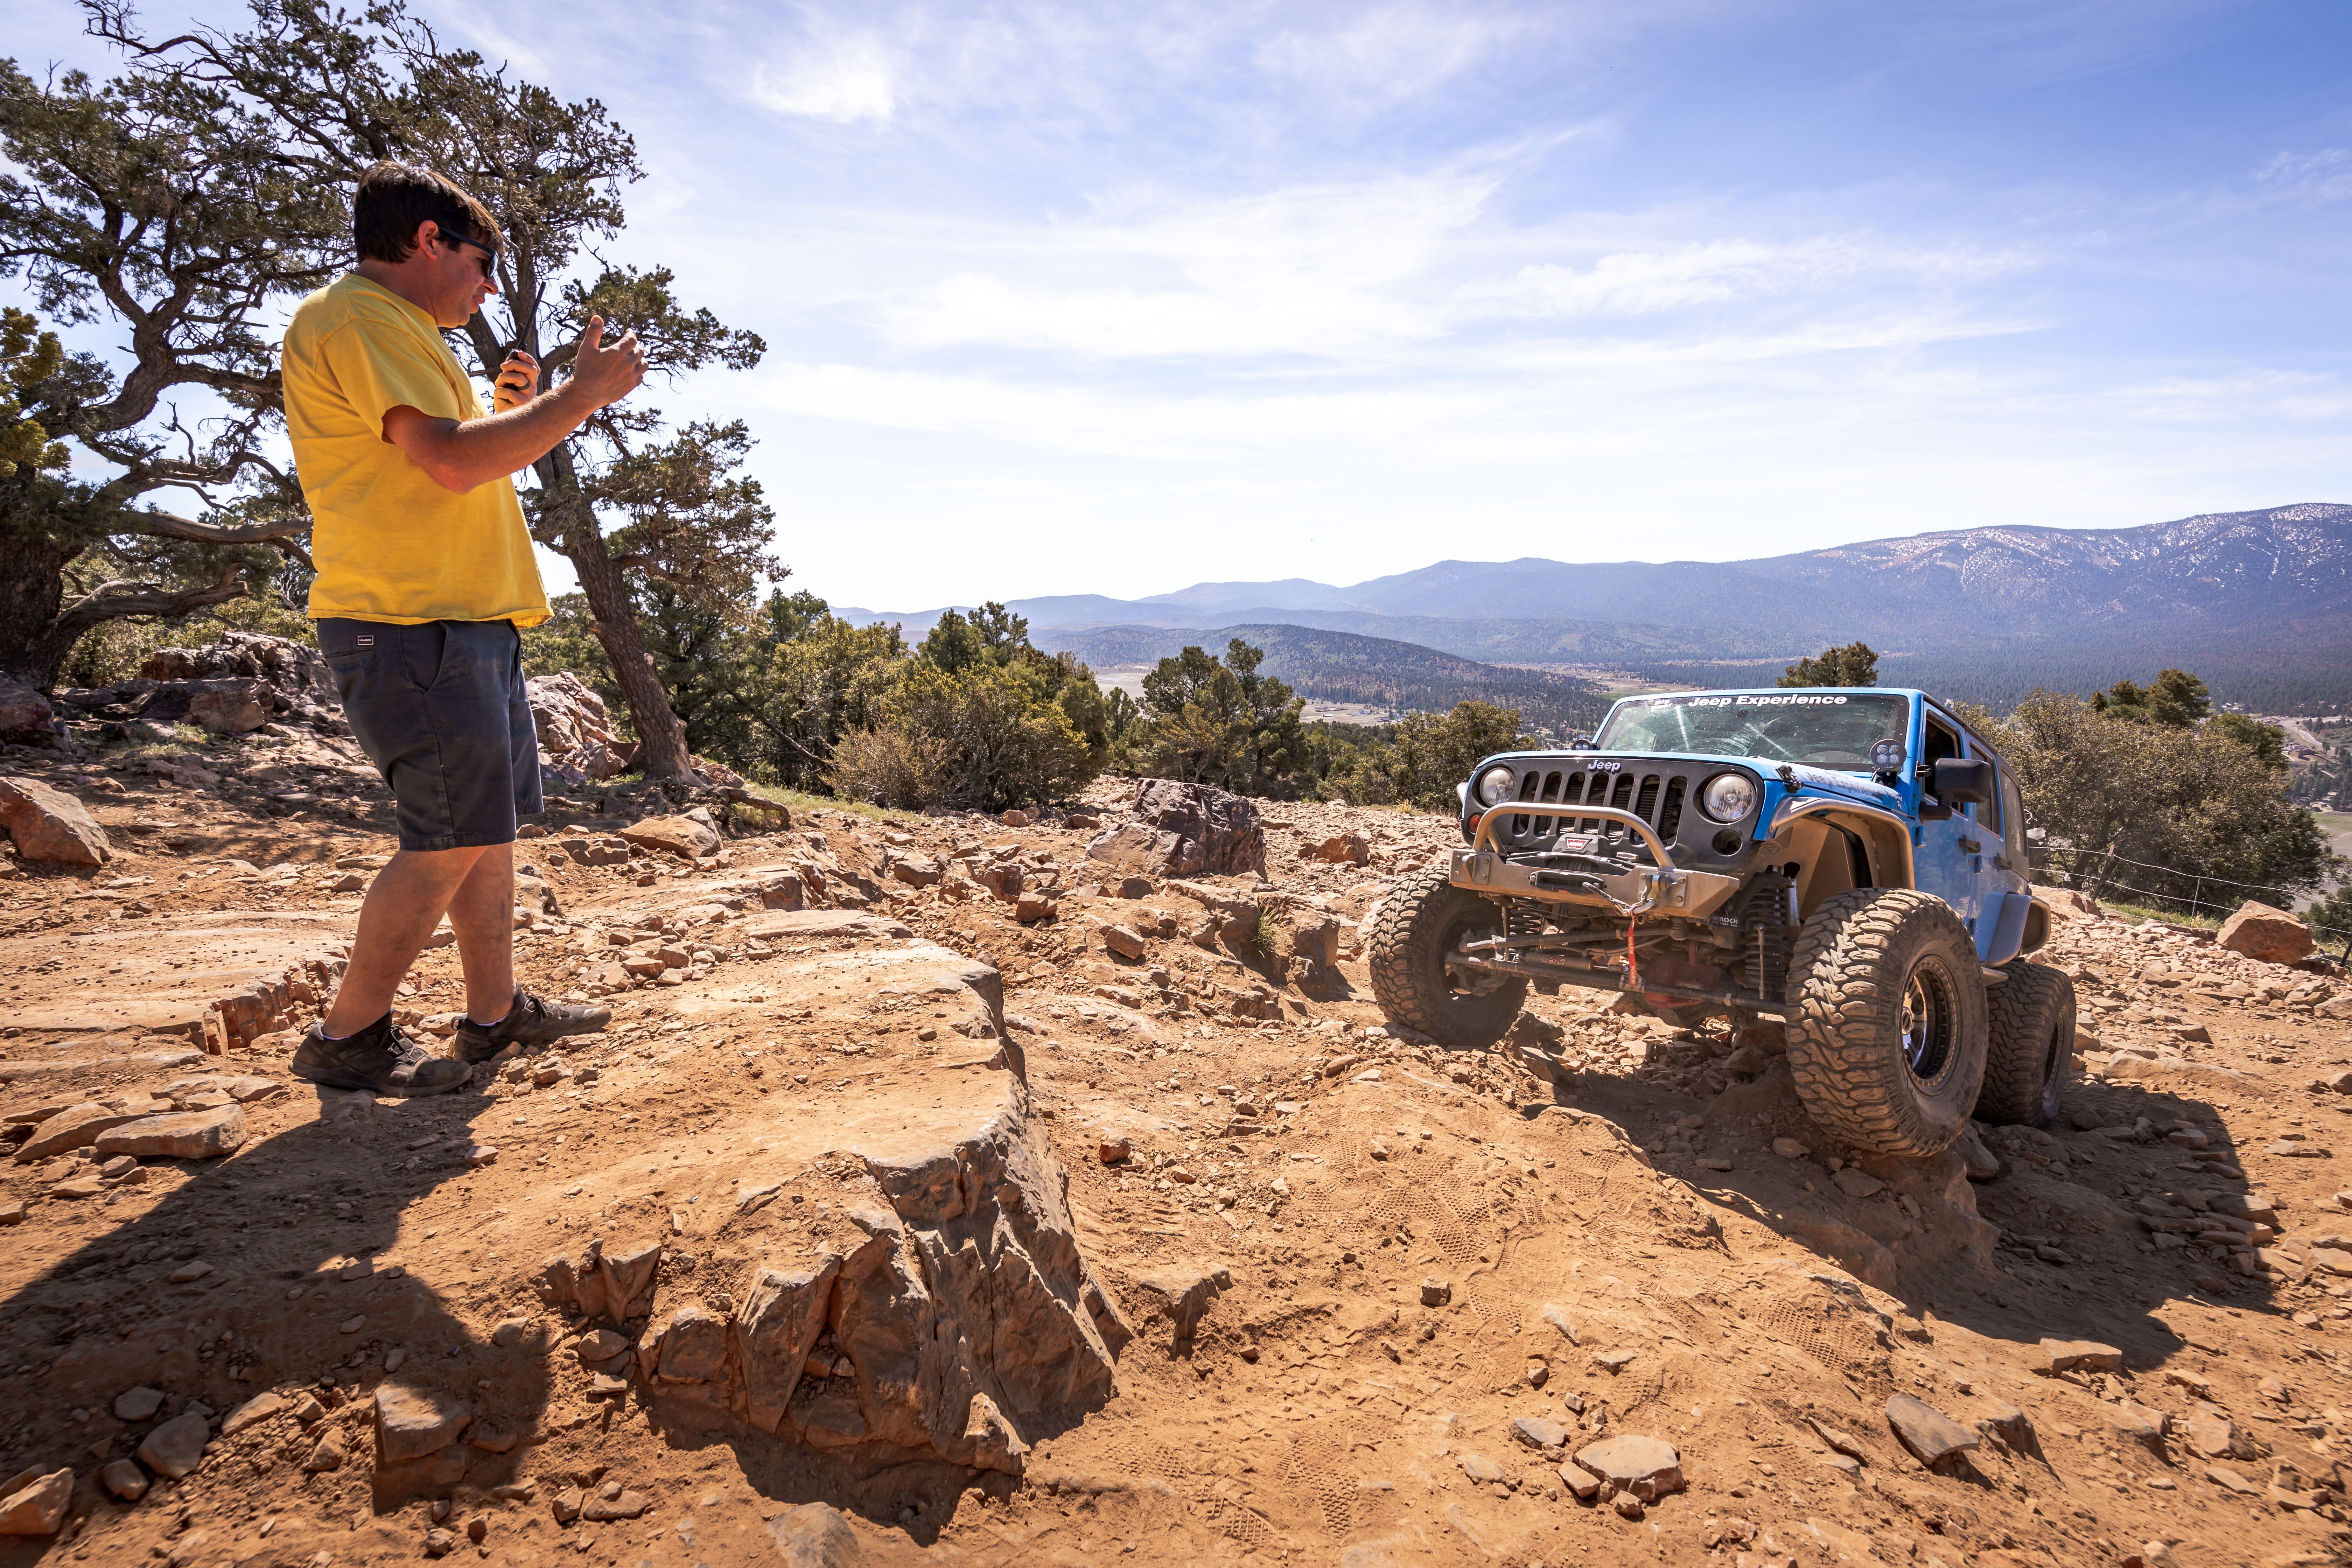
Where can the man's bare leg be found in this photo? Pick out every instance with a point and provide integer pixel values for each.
(407, 901)
(481, 912)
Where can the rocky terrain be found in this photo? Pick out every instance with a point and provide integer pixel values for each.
(1025, 1192)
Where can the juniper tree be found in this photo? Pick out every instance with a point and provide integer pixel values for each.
(1850, 663)
(193, 192)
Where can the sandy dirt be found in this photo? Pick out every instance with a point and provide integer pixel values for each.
(1361, 1298)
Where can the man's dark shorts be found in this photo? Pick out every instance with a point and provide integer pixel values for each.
(441, 710)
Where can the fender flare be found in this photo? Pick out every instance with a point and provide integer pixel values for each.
(2022, 926)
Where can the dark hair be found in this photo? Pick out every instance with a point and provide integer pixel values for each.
(394, 198)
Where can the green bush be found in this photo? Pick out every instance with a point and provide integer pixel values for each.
(2198, 801)
(892, 764)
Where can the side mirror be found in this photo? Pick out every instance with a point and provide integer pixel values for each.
(1962, 781)
(2036, 835)
(1579, 742)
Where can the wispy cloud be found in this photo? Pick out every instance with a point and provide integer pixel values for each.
(838, 79)
(2325, 175)
(1066, 296)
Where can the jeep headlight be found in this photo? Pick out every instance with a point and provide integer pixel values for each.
(1728, 798)
(1494, 786)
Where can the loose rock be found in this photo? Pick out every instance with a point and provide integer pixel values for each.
(1538, 1433)
(328, 1453)
(125, 1479)
(411, 1422)
(39, 1508)
(815, 1535)
(186, 1135)
(177, 1446)
(2078, 1355)
(50, 825)
(1930, 1435)
(679, 835)
(260, 1408)
(1644, 1466)
(138, 1404)
(75, 1127)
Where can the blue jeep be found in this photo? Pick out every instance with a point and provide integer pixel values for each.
(1851, 860)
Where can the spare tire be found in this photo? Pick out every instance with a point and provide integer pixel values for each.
(1887, 1023)
(2030, 1052)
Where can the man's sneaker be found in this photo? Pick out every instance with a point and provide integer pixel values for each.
(379, 1058)
(532, 1021)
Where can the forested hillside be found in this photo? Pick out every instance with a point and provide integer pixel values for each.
(1375, 672)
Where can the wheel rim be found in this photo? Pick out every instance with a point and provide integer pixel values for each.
(1461, 983)
(1929, 1026)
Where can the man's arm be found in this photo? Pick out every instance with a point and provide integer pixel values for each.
(463, 455)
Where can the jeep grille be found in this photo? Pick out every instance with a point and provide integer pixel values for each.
(1655, 793)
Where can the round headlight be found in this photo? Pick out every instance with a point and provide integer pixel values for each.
(1728, 798)
(1494, 786)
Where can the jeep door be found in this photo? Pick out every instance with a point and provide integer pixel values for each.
(1954, 859)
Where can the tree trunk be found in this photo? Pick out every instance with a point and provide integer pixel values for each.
(32, 586)
(665, 756)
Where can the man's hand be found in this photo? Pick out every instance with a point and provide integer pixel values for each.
(601, 375)
(526, 428)
(518, 382)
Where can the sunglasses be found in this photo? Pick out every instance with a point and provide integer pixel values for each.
(488, 255)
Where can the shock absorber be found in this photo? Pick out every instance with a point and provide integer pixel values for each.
(1768, 912)
(1523, 917)
(1772, 951)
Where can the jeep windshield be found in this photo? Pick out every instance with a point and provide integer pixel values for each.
(1825, 730)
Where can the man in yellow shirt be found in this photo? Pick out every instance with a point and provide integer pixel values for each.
(425, 572)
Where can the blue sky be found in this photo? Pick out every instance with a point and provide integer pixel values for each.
(1115, 297)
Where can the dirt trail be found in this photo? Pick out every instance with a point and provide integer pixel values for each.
(1345, 1298)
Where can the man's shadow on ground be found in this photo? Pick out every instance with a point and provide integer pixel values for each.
(313, 1285)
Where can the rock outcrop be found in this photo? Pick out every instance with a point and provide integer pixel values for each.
(1182, 830)
(231, 686)
(575, 732)
(901, 1272)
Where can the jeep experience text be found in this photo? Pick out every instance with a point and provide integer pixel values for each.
(1849, 860)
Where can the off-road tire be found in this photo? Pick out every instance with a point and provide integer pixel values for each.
(1853, 961)
(1420, 922)
(2029, 1052)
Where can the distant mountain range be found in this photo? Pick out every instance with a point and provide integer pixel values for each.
(2260, 603)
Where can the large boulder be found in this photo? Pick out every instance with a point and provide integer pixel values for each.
(681, 836)
(50, 825)
(2068, 903)
(227, 707)
(574, 729)
(2270, 934)
(26, 718)
(1182, 830)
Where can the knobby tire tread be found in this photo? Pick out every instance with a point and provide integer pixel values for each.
(1845, 1030)
(1409, 974)
(2025, 1010)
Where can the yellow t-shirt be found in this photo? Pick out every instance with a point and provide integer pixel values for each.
(390, 542)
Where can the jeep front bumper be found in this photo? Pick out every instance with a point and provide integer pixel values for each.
(1590, 880)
